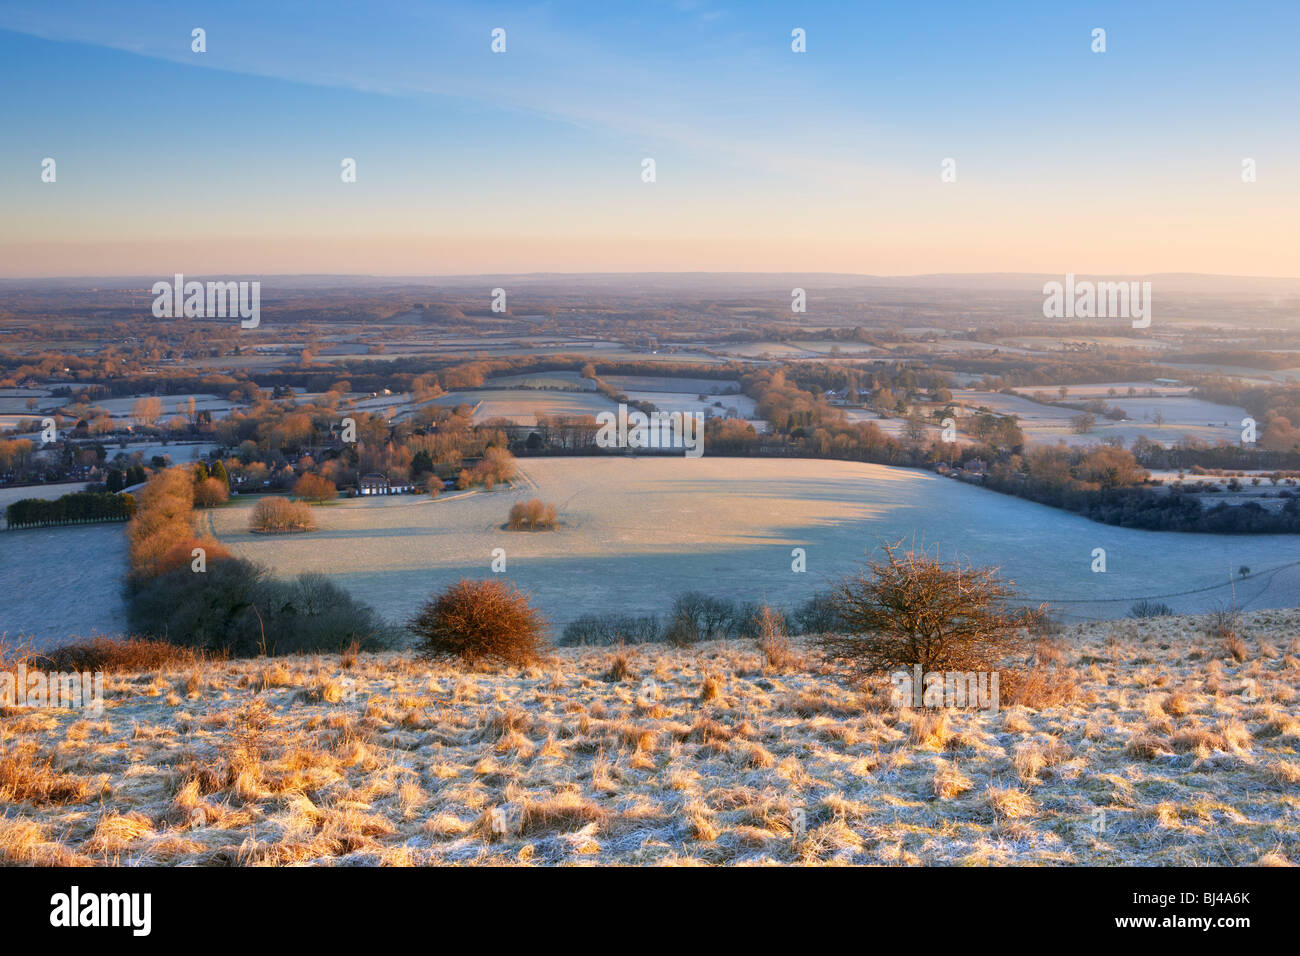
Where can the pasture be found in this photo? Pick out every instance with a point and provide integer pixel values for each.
(637, 532)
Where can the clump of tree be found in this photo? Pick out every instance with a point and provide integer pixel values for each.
(697, 616)
(606, 629)
(277, 515)
(1083, 423)
(210, 492)
(119, 478)
(531, 515)
(237, 608)
(497, 466)
(818, 615)
(315, 489)
(17, 458)
(480, 621)
(910, 609)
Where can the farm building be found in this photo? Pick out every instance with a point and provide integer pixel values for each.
(378, 484)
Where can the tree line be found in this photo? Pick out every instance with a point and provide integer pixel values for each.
(81, 507)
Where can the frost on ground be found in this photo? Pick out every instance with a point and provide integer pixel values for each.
(1173, 750)
(638, 532)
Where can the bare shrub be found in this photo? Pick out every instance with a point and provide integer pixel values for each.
(748, 620)
(619, 670)
(772, 639)
(1224, 624)
(1146, 608)
(531, 515)
(478, 621)
(911, 609)
(276, 515)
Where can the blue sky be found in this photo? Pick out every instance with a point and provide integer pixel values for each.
(766, 159)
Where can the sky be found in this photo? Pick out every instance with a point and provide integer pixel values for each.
(229, 161)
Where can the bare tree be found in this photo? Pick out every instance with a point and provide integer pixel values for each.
(146, 411)
(911, 609)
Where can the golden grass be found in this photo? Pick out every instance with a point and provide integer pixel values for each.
(700, 755)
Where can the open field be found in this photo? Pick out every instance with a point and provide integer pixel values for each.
(178, 451)
(1251, 376)
(637, 532)
(895, 426)
(1060, 342)
(522, 406)
(1102, 390)
(543, 380)
(1169, 751)
(765, 350)
(673, 384)
(1049, 424)
(13, 405)
(64, 582)
(120, 408)
(690, 402)
(44, 492)
(831, 347)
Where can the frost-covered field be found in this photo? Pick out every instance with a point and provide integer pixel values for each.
(178, 452)
(45, 492)
(690, 402)
(120, 408)
(1102, 390)
(1183, 417)
(831, 347)
(522, 406)
(1056, 343)
(636, 532)
(668, 383)
(543, 380)
(57, 583)
(1167, 751)
(895, 427)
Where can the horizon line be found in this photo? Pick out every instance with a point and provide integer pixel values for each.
(657, 272)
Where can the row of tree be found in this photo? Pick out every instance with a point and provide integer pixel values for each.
(82, 507)
(160, 537)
